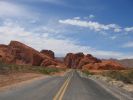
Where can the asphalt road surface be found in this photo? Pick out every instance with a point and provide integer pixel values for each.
(68, 87)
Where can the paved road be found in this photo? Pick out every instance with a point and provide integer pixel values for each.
(69, 87)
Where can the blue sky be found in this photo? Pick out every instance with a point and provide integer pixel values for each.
(103, 28)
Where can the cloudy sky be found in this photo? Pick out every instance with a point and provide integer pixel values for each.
(103, 28)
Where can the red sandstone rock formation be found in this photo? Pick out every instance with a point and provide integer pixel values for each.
(104, 65)
(19, 53)
(6, 54)
(49, 53)
(79, 59)
(88, 59)
(88, 62)
(25, 55)
(72, 60)
(47, 62)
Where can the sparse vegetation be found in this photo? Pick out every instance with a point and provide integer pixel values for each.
(49, 70)
(125, 76)
(8, 69)
(87, 72)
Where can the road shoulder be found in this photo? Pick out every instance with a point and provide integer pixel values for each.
(116, 91)
(19, 80)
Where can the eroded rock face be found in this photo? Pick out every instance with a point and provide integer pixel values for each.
(48, 62)
(49, 53)
(25, 55)
(72, 60)
(79, 59)
(6, 54)
(88, 62)
(88, 59)
(19, 53)
(104, 65)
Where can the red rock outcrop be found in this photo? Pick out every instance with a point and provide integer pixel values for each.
(25, 55)
(88, 62)
(6, 54)
(49, 53)
(19, 53)
(79, 59)
(88, 59)
(104, 65)
(47, 62)
(72, 60)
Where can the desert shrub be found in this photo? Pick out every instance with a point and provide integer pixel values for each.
(12, 68)
(129, 74)
(48, 70)
(124, 76)
(87, 72)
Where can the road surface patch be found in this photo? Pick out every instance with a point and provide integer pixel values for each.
(62, 90)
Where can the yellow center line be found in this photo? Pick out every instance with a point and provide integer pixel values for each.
(62, 90)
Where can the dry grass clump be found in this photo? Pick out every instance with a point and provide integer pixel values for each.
(125, 76)
(10, 68)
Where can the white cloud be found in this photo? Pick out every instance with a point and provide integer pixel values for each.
(129, 29)
(76, 18)
(9, 9)
(91, 16)
(107, 54)
(58, 2)
(115, 27)
(8, 28)
(91, 25)
(96, 26)
(113, 37)
(128, 45)
(117, 30)
(46, 29)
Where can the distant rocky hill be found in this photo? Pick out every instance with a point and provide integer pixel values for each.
(126, 62)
